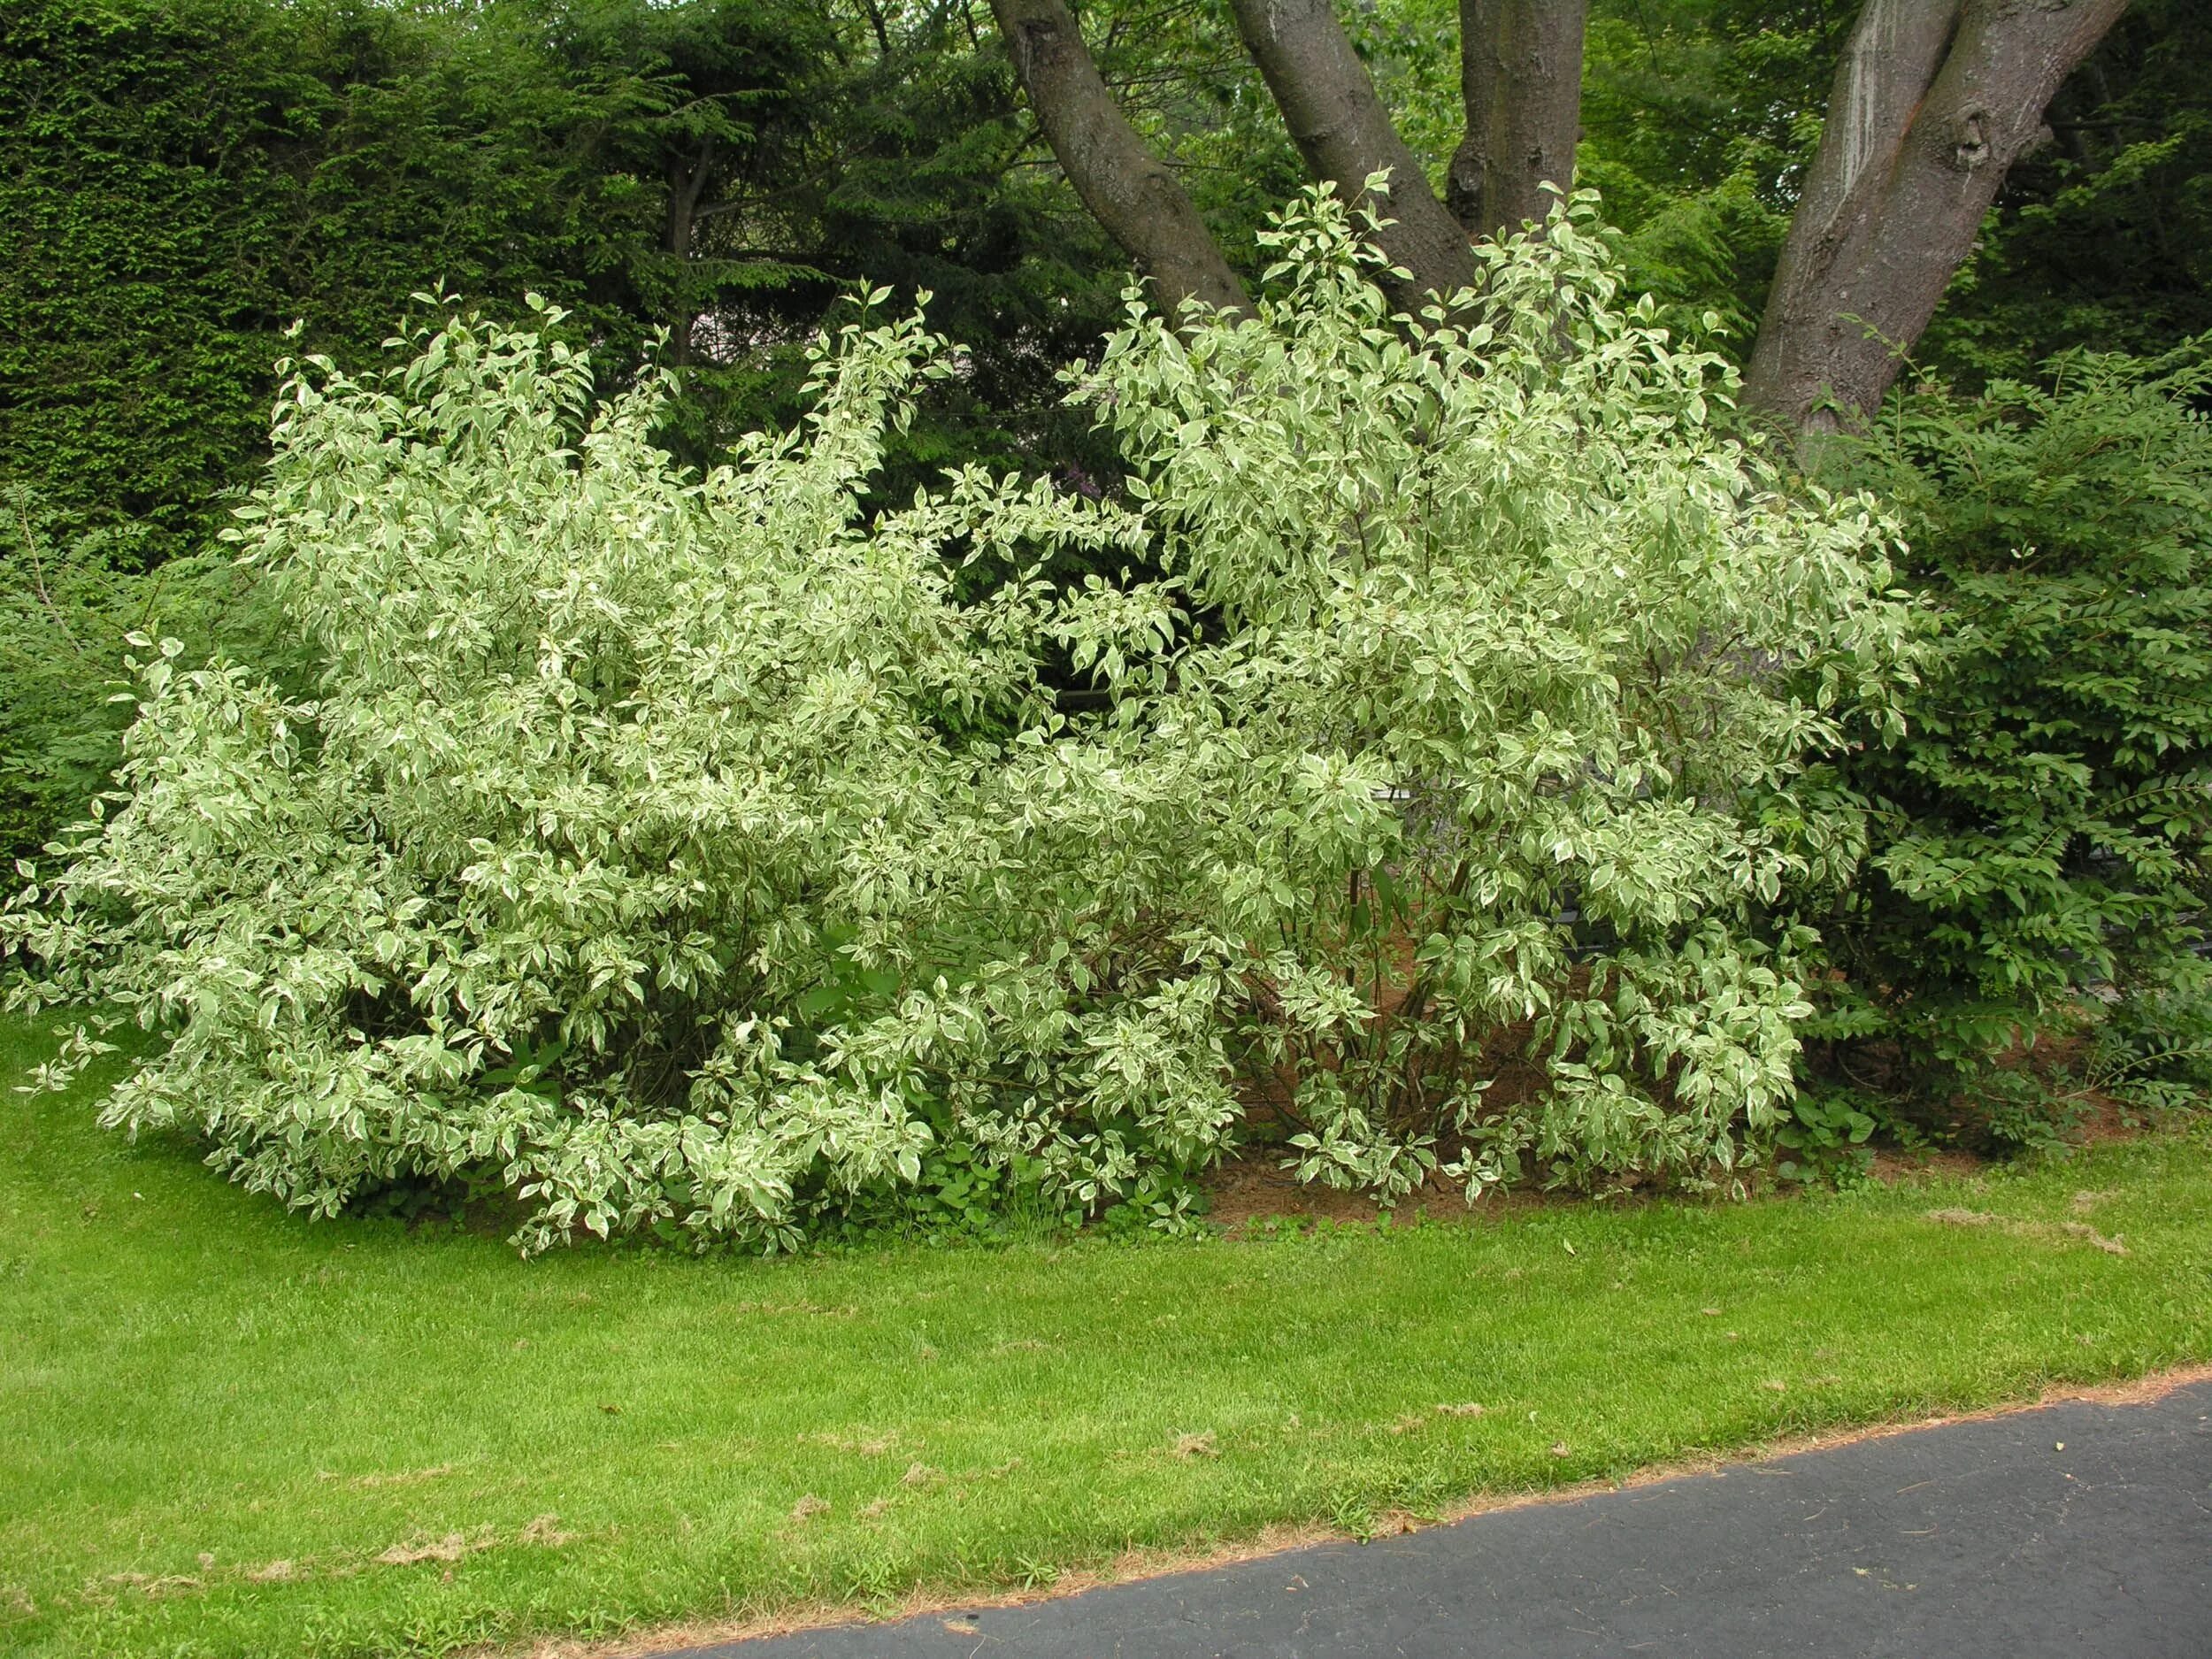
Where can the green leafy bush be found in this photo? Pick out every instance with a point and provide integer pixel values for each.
(2041, 832)
(68, 600)
(1824, 1137)
(687, 852)
(2153, 1049)
(63, 611)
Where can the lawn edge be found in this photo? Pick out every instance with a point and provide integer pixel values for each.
(1136, 1565)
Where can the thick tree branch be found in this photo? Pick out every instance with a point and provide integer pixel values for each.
(1344, 134)
(1128, 189)
(1933, 101)
(1520, 76)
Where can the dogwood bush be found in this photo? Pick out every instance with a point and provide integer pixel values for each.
(685, 851)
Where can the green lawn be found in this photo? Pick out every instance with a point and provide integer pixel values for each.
(225, 1431)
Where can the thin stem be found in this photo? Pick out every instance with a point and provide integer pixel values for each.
(38, 572)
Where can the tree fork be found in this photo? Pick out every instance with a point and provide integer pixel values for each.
(1933, 101)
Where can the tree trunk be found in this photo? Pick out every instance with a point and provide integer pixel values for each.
(1128, 188)
(1933, 101)
(1520, 76)
(687, 183)
(1344, 134)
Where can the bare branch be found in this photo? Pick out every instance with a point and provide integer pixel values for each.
(1128, 189)
(1345, 135)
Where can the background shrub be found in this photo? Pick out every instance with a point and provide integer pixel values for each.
(69, 597)
(2040, 835)
(180, 181)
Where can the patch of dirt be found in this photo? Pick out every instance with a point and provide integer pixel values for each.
(2078, 1230)
(1246, 1193)
(544, 1532)
(451, 1547)
(1895, 1166)
(404, 1478)
(1249, 1191)
(2043, 1230)
(802, 1307)
(155, 1588)
(1254, 1189)
(1416, 1420)
(2103, 1121)
(1274, 1541)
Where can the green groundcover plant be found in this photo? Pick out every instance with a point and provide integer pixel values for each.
(2039, 840)
(687, 852)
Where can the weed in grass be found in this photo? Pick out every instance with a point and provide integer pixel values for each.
(1352, 1516)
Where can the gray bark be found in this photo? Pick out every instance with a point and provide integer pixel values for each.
(1344, 135)
(1128, 189)
(1933, 101)
(1520, 76)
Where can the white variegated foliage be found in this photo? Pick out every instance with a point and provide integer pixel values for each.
(686, 851)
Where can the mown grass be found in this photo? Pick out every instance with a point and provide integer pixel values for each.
(223, 1430)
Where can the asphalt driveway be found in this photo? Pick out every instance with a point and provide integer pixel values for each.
(2072, 1532)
